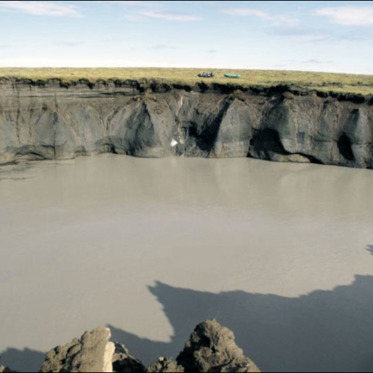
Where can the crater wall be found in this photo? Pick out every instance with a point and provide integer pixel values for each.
(52, 120)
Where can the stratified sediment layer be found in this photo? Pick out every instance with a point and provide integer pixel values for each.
(52, 120)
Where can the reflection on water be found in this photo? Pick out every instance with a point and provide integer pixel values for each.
(81, 241)
(370, 249)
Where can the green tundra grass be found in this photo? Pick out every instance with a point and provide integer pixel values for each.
(343, 83)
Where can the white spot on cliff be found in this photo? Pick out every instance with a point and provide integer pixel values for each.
(173, 142)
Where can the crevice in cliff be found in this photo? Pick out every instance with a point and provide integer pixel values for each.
(18, 125)
(345, 148)
(205, 136)
(54, 123)
(266, 144)
(264, 141)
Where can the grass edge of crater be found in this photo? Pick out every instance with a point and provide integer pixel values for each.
(321, 81)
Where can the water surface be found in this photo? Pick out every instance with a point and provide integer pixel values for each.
(93, 241)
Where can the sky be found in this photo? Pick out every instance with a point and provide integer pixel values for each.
(329, 36)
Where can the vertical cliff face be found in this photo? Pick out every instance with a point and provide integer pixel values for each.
(49, 120)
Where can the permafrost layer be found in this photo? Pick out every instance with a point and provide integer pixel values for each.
(51, 120)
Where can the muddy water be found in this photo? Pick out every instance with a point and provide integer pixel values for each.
(82, 241)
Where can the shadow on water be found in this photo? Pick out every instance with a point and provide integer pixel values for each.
(324, 331)
(25, 360)
(320, 331)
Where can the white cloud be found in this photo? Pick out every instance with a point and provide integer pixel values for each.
(311, 37)
(40, 8)
(171, 16)
(120, 2)
(134, 4)
(247, 12)
(280, 20)
(137, 10)
(349, 16)
(283, 21)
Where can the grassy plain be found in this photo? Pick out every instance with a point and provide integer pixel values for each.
(343, 83)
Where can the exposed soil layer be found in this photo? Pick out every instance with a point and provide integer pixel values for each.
(56, 120)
